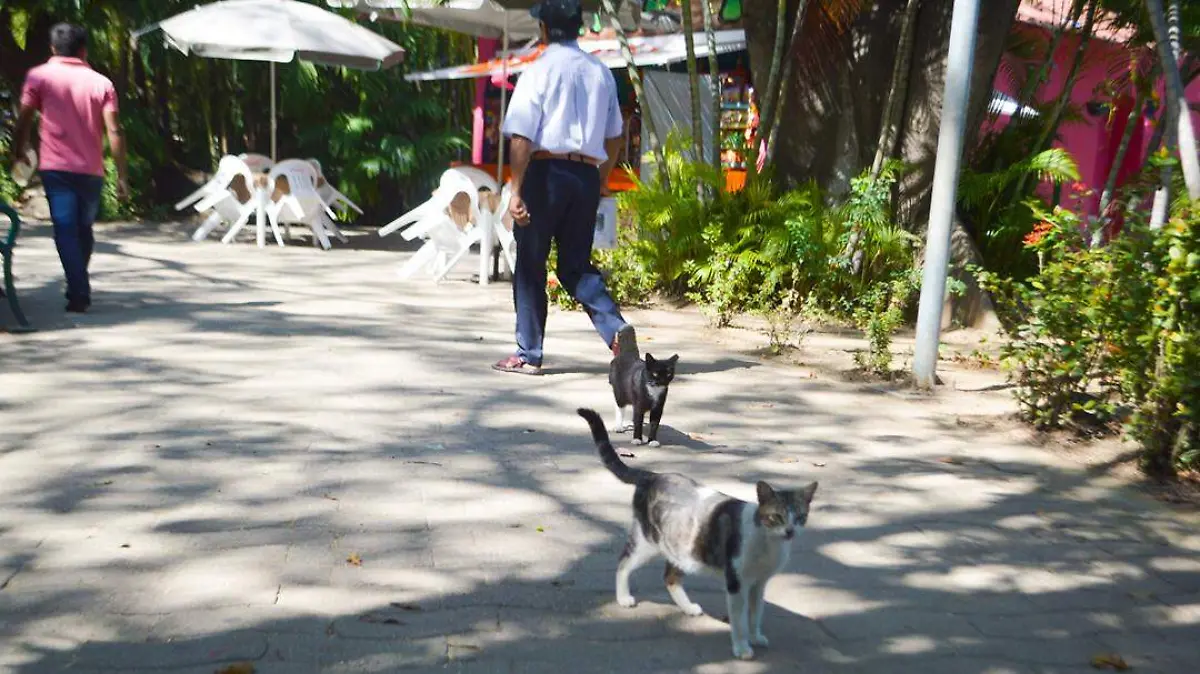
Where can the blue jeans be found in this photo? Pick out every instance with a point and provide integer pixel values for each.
(562, 198)
(74, 202)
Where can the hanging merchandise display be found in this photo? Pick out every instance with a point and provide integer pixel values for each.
(739, 118)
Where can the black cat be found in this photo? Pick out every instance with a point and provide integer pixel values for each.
(639, 383)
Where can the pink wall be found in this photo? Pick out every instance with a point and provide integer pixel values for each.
(1093, 140)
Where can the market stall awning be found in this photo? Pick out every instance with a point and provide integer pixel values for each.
(655, 50)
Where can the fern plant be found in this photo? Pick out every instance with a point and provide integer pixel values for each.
(669, 217)
(999, 222)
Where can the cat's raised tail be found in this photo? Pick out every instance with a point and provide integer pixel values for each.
(608, 454)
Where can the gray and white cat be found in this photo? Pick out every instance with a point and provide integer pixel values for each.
(700, 530)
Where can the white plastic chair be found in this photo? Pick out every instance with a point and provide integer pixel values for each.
(229, 204)
(452, 182)
(299, 203)
(259, 163)
(446, 242)
(501, 222)
(227, 168)
(328, 192)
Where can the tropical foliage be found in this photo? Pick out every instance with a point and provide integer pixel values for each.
(766, 251)
(1109, 334)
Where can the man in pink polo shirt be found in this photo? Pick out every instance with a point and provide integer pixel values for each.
(77, 105)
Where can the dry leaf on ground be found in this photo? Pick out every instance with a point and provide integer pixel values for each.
(354, 560)
(952, 460)
(237, 668)
(1110, 661)
(788, 459)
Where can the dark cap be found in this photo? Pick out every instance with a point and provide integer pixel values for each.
(557, 12)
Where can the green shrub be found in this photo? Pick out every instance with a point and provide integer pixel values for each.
(670, 218)
(770, 252)
(628, 279)
(1166, 418)
(879, 313)
(1110, 333)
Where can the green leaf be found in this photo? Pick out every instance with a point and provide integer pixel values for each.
(20, 26)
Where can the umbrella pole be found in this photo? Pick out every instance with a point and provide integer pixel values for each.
(485, 243)
(274, 148)
(503, 98)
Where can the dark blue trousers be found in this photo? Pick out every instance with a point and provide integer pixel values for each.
(561, 197)
(74, 202)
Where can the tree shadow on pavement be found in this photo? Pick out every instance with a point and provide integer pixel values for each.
(313, 471)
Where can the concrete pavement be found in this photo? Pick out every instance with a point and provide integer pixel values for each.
(290, 459)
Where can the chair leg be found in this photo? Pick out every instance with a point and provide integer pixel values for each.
(462, 252)
(335, 231)
(275, 229)
(319, 233)
(210, 223)
(243, 218)
(424, 256)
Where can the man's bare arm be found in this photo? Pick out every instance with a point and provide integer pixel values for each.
(612, 147)
(21, 133)
(520, 152)
(116, 145)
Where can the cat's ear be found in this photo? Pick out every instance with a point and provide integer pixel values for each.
(673, 360)
(765, 493)
(650, 360)
(805, 495)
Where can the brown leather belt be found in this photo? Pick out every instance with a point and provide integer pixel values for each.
(570, 156)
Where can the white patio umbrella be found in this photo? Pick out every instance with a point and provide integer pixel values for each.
(278, 31)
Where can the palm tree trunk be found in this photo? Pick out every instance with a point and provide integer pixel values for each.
(1166, 35)
(714, 83)
(1064, 97)
(770, 94)
(1110, 183)
(689, 43)
(639, 91)
(770, 121)
(1029, 91)
(897, 90)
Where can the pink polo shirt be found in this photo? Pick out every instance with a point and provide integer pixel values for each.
(72, 99)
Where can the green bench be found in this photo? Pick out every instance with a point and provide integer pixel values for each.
(6, 249)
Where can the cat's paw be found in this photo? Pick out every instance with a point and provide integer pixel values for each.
(692, 609)
(743, 651)
(760, 640)
(635, 442)
(654, 443)
(627, 601)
